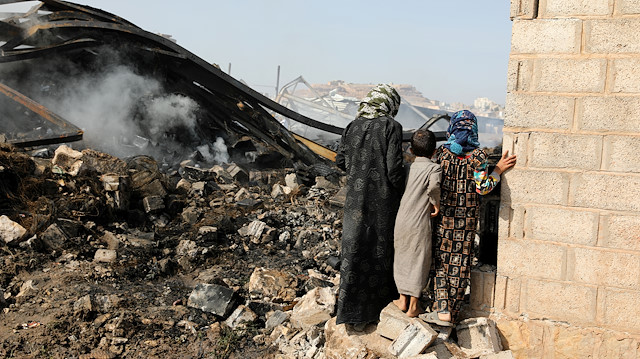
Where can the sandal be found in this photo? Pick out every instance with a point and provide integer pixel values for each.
(432, 317)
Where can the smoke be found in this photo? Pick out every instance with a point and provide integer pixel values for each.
(220, 153)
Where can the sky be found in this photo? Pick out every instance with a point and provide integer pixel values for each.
(453, 51)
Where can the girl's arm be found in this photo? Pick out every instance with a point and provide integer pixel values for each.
(486, 183)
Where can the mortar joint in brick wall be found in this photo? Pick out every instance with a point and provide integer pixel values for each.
(607, 74)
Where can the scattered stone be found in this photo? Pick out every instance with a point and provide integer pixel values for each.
(314, 309)
(53, 238)
(291, 180)
(208, 233)
(153, 204)
(212, 298)
(237, 173)
(111, 240)
(241, 194)
(339, 198)
(276, 318)
(262, 308)
(325, 184)
(478, 336)
(240, 316)
(9, 230)
(280, 191)
(413, 340)
(276, 285)
(392, 322)
(249, 203)
(183, 186)
(190, 215)
(187, 248)
(68, 161)
(253, 229)
(105, 255)
(85, 305)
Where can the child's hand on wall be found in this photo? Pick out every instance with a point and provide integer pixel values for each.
(435, 211)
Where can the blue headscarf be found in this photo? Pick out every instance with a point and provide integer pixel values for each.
(462, 134)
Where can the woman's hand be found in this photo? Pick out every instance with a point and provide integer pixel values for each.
(505, 163)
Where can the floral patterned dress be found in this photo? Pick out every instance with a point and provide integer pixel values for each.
(464, 178)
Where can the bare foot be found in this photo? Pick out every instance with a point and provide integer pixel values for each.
(401, 304)
(414, 312)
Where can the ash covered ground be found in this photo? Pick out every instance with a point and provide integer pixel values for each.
(102, 256)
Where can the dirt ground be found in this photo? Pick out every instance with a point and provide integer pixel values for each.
(60, 302)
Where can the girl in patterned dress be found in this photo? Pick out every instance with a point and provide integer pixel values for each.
(464, 178)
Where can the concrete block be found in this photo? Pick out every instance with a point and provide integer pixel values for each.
(439, 349)
(606, 267)
(562, 8)
(622, 232)
(531, 259)
(572, 342)
(512, 295)
(613, 36)
(606, 114)
(535, 186)
(392, 322)
(519, 74)
(500, 292)
(620, 154)
(212, 298)
(624, 76)
(569, 75)
(523, 9)
(153, 204)
(622, 309)
(546, 36)
(9, 230)
(617, 345)
(105, 255)
(314, 309)
(613, 196)
(539, 111)
(545, 147)
(482, 288)
(562, 225)
(628, 7)
(478, 336)
(560, 301)
(413, 340)
(240, 317)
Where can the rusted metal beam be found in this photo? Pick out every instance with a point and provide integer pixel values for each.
(70, 132)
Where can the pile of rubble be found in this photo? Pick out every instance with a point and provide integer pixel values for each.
(105, 258)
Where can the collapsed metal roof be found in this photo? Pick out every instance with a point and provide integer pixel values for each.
(59, 29)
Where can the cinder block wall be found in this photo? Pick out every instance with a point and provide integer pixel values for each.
(568, 280)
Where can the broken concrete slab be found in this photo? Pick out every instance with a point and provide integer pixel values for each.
(478, 336)
(68, 160)
(343, 342)
(314, 309)
(240, 317)
(273, 285)
(279, 190)
(392, 322)
(440, 349)
(413, 340)
(254, 229)
(10, 231)
(275, 318)
(212, 298)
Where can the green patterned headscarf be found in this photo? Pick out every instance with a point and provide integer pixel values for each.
(382, 101)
